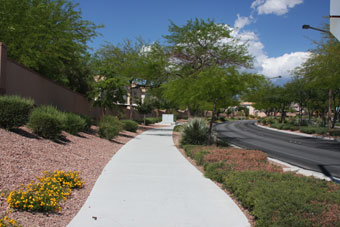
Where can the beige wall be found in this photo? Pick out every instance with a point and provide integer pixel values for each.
(16, 79)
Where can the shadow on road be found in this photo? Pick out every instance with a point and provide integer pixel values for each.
(324, 170)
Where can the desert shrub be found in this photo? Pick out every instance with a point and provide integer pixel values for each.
(308, 130)
(46, 121)
(277, 125)
(6, 221)
(109, 127)
(73, 123)
(294, 128)
(270, 120)
(199, 157)
(277, 199)
(195, 132)
(293, 121)
(321, 131)
(334, 132)
(45, 194)
(130, 125)
(88, 122)
(188, 148)
(222, 118)
(222, 142)
(152, 120)
(178, 128)
(286, 126)
(14, 111)
(69, 179)
(216, 171)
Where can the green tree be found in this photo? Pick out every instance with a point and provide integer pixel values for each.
(137, 63)
(146, 106)
(108, 92)
(194, 47)
(50, 37)
(322, 69)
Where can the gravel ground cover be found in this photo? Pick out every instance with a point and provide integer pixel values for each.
(23, 157)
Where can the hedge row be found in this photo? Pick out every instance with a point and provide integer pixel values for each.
(293, 125)
(45, 121)
(48, 122)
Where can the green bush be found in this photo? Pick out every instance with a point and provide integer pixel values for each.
(277, 199)
(277, 125)
(152, 120)
(89, 122)
(188, 148)
(109, 127)
(14, 111)
(216, 171)
(73, 123)
(334, 132)
(130, 125)
(308, 130)
(199, 156)
(286, 126)
(321, 131)
(178, 128)
(294, 128)
(222, 118)
(195, 132)
(46, 121)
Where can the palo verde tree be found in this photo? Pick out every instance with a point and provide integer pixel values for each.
(196, 46)
(50, 37)
(204, 57)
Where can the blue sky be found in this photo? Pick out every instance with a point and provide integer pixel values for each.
(272, 28)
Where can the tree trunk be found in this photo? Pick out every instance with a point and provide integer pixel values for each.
(330, 108)
(189, 115)
(323, 118)
(335, 112)
(310, 113)
(130, 98)
(283, 116)
(211, 122)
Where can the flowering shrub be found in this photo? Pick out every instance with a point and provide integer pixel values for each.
(45, 194)
(69, 179)
(5, 221)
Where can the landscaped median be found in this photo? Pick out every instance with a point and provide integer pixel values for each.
(273, 197)
(313, 126)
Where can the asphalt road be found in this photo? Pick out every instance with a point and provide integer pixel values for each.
(309, 153)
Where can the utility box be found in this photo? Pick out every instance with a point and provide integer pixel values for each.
(168, 119)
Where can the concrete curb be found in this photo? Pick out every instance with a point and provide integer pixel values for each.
(298, 133)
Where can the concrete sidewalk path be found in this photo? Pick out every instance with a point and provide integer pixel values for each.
(148, 183)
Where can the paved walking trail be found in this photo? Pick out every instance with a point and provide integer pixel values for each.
(148, 183)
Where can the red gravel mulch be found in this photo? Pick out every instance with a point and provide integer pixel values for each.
(23, 156)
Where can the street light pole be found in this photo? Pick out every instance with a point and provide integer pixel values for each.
(306, 26)
(275, 77)
(330, 92)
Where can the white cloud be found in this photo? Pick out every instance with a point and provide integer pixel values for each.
(270, 66)
(242, 21)
(263, 64)
(283, 65)
(278, 7)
